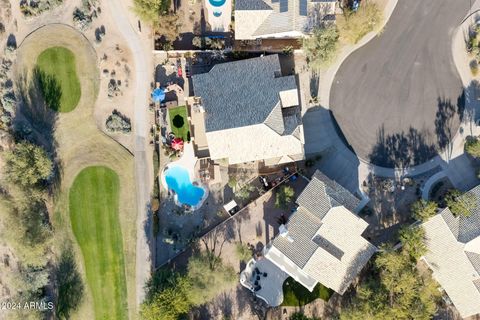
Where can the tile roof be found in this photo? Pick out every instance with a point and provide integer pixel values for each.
(465, 228)
(322, 193)
(452, 266)
(324, 240)
(251, 5)
(241, 93)
(454, 256)
(285, 16)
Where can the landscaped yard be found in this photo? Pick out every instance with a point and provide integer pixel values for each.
(179, 122)
(294, 294)
(93, 206)
(58, 78)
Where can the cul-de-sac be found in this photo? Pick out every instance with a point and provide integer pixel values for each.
(240, 159)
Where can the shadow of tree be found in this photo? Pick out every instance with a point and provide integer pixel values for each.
(445, 122)
(50, 88)
(401, 149)
(69, 284)
(34, 120)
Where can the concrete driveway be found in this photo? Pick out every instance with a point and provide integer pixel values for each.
(397, 98)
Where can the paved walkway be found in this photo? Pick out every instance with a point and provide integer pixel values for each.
(142, 168)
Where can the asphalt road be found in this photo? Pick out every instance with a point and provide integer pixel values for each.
(142, 173)
(396, 99)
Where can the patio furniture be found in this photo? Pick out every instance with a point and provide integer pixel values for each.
(258, 278)
(255, 283)
(256, 270)
(265, 274)
(257, 288)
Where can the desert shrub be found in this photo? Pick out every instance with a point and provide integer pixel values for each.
(353, 26)
(118, 122)
(34, 8)
(151, 11)
(472, 147)
(321, 47)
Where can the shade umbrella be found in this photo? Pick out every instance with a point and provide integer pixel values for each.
(177, 144)
(158, 95)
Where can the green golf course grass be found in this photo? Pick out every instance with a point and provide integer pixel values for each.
(58, 79)
(93, 206)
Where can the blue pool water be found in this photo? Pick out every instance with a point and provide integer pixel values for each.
(217, 3)
(178, 180)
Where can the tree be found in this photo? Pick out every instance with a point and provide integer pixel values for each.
(69, 284)
(423, 210)
(412, 239)
(472, 147)
(27, 165)
(244, 253)
(460, 204)
(395, 288)
(284, 197)
(321, 47)
(244, 193)
(205, 282)
(151, 10)
(170, 303)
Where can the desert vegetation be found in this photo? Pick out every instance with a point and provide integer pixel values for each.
(396, 286)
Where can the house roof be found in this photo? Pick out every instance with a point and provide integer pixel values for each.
(257, 18)
(452, 266)
(324, 239)
(241, 93)
(465, 228)
(454, 255)
(322, 193)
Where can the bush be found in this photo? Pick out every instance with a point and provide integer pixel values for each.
(151, 11)
(118, 122)
(353, 26)
(472, 147)
(244, 253)
(197, 42)
(474, 67)
(321, 47)
(284, 197)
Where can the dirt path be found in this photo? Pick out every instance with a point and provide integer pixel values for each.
(141, 124)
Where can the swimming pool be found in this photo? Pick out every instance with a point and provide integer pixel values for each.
(178, 180)
(217, 3)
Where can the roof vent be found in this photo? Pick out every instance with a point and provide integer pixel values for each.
(284, 233)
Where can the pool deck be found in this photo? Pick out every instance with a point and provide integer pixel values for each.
(187, 161)
(221, 23)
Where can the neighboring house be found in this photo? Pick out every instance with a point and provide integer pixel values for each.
(286, 19)
(249, 112)
(454, 256)
(322, 241)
